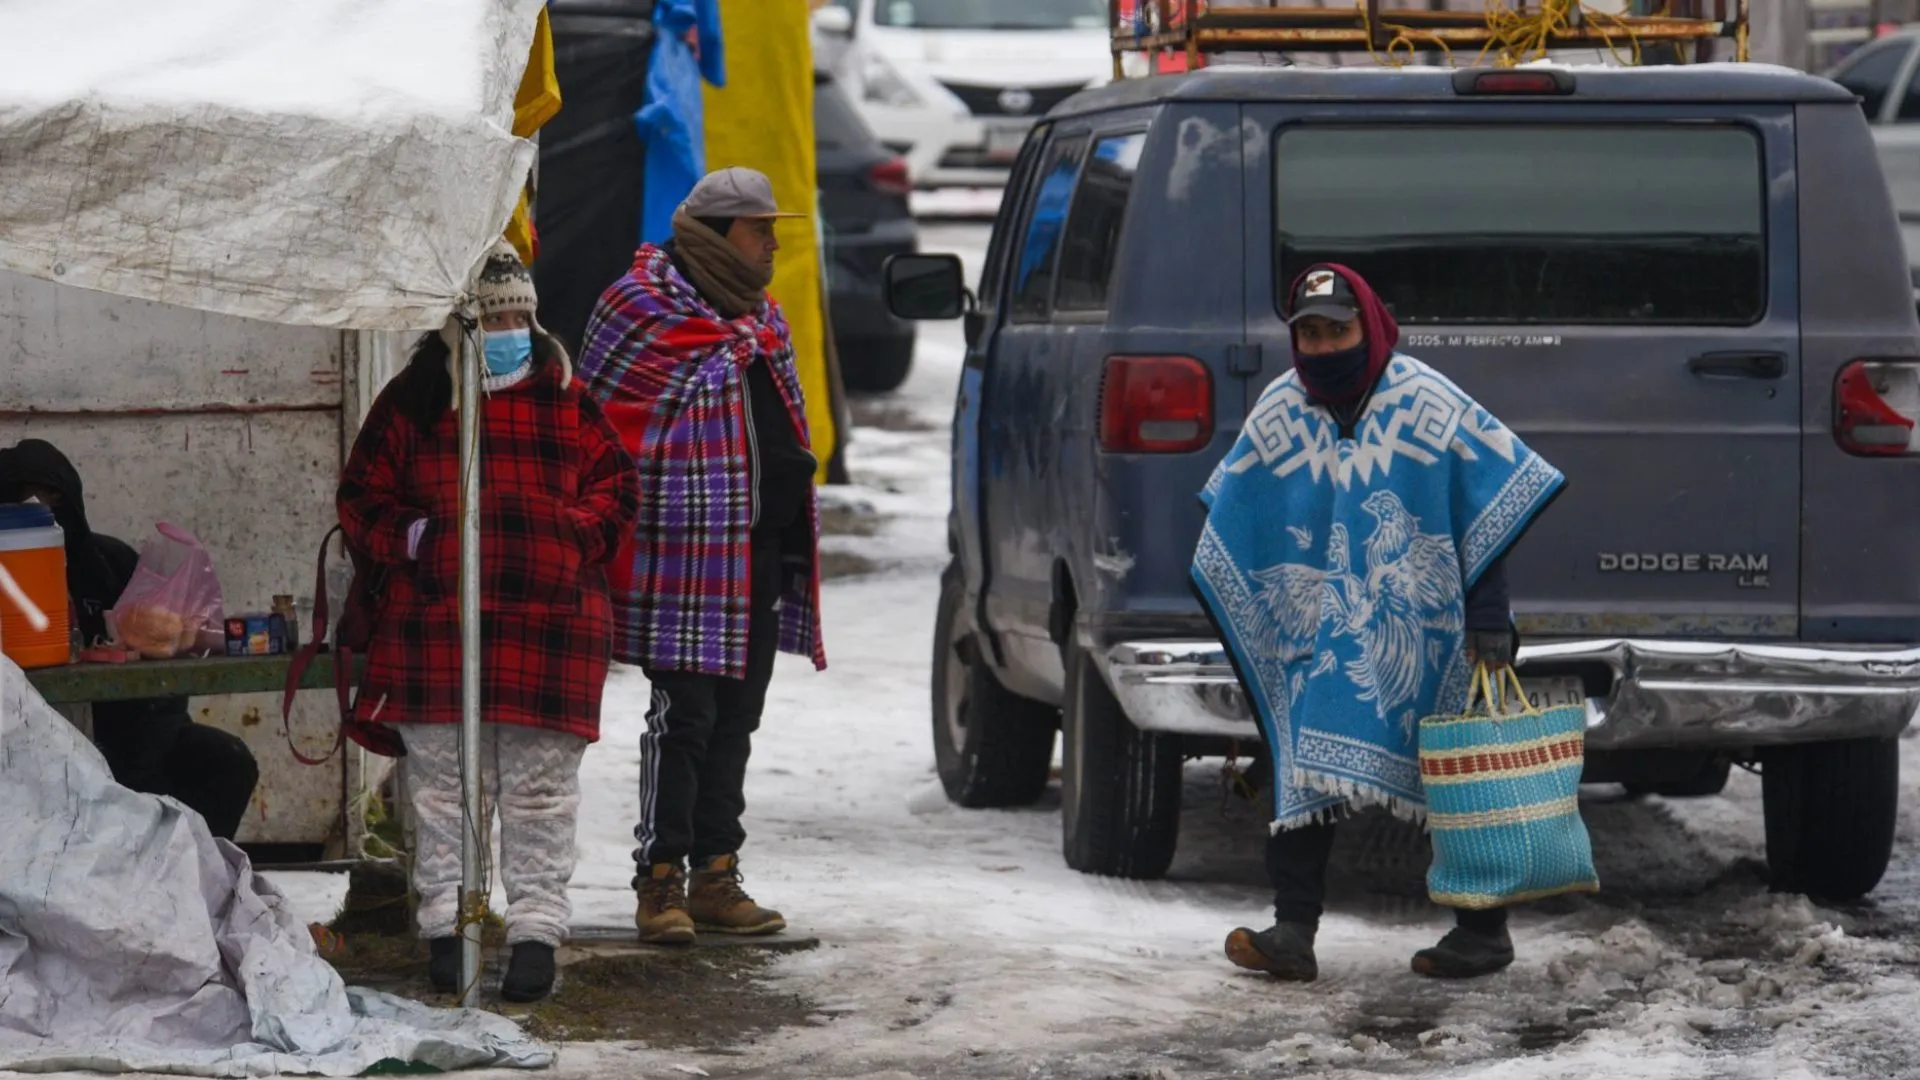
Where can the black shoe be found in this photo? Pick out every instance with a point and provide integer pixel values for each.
(529, 972)
(1284, 951)
(443, 963)
(1465, 954)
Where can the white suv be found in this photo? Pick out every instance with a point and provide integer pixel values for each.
(954, 85)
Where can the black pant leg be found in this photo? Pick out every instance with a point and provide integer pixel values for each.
(673, 750)
(1297, 867)
(136, 736)
(740, 702)
(213, 772)
(1490, 922)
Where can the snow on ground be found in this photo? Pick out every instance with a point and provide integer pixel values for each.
(956, 943)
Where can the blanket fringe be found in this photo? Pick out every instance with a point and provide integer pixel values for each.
(1354, 797)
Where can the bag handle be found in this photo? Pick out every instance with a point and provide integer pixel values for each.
(303, 659)
(176, 534)
(1495, 692)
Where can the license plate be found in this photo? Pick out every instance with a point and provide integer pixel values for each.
(1003, 143)
(1553, 692)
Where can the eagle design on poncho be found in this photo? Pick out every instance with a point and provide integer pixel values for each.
(1403, 610)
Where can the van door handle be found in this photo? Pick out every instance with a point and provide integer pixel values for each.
(1739, 365)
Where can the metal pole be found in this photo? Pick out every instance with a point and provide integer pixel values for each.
(472, 831)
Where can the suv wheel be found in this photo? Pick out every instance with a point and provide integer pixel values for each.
(876, 365)
(1119, 786)
(1830, 810)
(991, 746)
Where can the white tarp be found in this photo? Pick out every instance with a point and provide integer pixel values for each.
(131, 940)
(337, 163)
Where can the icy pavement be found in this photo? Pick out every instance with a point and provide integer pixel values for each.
(956, 943)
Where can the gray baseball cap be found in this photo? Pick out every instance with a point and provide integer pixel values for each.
(737, 192)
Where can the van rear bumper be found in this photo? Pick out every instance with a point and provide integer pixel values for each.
(1657, 694)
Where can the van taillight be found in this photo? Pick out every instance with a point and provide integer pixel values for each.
(1155, 405)
(1875, 405)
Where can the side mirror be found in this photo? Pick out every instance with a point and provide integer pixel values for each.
(834, 20)
(926, 287)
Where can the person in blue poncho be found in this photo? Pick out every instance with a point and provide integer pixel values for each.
(1353, 558)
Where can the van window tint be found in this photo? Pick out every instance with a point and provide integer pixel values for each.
(1093, 226)
(992, 275)
(1871, 75)
(1532, 224)
(1033, 274)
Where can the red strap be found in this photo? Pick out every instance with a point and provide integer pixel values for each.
(302, 660)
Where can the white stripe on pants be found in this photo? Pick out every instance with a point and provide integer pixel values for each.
(533, 775)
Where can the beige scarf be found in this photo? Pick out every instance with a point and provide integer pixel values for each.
(734, 286)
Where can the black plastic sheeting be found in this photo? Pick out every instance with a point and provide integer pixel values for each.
(592, 161)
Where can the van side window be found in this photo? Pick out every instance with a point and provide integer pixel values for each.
(993, 272)
(1093, 225)
(1033, 273)
(1872, 73)
(1584, 224)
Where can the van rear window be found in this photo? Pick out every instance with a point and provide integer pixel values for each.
(1532, 224)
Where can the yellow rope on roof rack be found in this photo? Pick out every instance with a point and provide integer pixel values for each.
(1522, 35)
(1517, 34)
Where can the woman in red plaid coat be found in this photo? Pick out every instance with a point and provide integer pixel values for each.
(558, 495)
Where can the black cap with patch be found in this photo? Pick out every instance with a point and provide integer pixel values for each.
(1324, 293)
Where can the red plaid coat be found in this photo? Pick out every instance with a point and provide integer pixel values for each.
(557, 496)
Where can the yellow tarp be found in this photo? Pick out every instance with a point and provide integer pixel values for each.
(537, 102)
(763, 119)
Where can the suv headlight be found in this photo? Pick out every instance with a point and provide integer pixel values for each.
(882, 84)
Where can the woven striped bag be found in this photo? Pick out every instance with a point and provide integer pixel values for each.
(1502, 783)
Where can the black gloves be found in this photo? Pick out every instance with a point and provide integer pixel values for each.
(1494, 648)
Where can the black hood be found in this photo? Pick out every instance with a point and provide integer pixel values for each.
(38, 462)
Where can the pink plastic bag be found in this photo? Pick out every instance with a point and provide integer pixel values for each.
(172, 607)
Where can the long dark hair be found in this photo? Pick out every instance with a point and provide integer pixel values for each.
(424, 391)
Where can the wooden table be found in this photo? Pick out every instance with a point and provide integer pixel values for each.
(75, 684)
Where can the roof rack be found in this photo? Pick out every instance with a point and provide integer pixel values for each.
(1506, 33)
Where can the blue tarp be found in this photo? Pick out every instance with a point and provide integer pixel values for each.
(671, 122)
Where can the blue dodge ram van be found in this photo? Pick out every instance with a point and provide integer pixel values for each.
(1684, 286)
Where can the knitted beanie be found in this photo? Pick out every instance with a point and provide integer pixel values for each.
(505, 282)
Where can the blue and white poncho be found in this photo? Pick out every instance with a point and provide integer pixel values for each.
(1337, 570)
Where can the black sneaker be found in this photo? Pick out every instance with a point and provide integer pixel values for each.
(443, 963)
(529, 972)
(1465, 954)
(1284, 951)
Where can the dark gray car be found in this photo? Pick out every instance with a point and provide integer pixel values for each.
(1676, 283)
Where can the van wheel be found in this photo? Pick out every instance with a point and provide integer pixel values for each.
(1830, 810)
(1119, 786)
(990, 746)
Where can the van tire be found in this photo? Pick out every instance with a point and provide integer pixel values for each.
(1830, 811)
(1119, 786)
(991, 746)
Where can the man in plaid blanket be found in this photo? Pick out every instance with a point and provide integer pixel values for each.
(693, 364)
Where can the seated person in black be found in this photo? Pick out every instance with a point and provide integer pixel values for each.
(151, 744)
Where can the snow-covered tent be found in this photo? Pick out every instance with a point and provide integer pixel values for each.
(329, 163)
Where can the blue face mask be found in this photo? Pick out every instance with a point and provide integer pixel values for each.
(508, 350)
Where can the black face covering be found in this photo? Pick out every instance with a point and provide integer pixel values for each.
(1338, 378)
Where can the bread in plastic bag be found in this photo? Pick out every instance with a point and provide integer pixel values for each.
(172, 607)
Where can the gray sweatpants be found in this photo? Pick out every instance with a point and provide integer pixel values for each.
(533, 776)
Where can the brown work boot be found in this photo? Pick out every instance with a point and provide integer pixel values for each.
(719, 903)
(662, 915)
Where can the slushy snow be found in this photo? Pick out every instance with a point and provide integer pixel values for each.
(957, 943)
